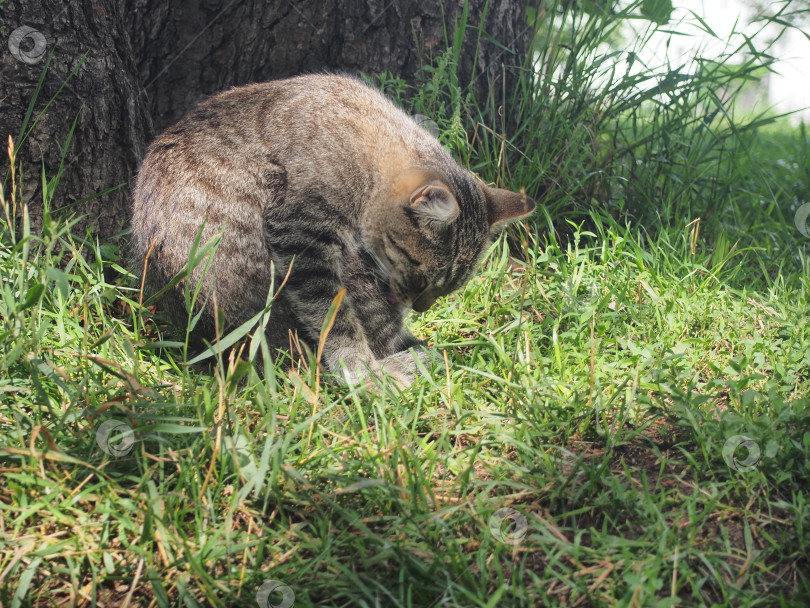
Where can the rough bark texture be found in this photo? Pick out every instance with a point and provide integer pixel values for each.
(148, 62)
(240, 42)
(112, 124)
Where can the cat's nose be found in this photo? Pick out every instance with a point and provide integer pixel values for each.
(423, 302)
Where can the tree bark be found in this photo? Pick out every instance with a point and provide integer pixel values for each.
(112, 125)
(147, 62)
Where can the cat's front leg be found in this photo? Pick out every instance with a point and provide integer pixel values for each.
(346, 350)
(366, 341)
(311, 283)
(357, 363)
(399, 354)
(366, 336)
(406, 365)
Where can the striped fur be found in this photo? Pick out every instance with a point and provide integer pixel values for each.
(328, 179)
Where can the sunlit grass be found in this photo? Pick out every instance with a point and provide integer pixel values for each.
(589, 391)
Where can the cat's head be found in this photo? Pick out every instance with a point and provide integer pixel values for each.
(428, 233)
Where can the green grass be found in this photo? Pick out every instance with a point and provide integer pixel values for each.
(590, 389)
(575, 447)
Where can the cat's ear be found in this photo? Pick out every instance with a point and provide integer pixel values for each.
(435, 203)
(504, 207)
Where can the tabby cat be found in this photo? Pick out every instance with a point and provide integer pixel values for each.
(325, 177)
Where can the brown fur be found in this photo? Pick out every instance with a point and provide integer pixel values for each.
(321, 172)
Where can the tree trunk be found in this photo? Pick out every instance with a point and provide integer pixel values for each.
(148, 62)
(103, 97)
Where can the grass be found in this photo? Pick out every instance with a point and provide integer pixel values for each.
(577, 446)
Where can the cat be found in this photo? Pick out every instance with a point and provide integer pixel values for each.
(329, 180)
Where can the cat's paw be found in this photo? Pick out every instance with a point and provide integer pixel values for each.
(406, 365)
(353, 370)
(397, 370)
(401, 368)
(427, 355)
(392, 369)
